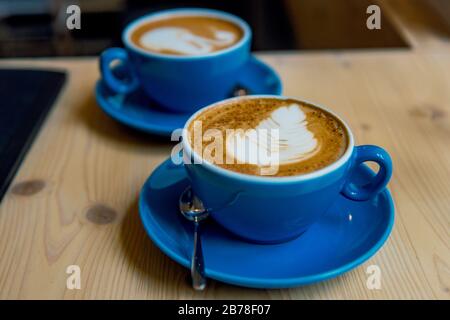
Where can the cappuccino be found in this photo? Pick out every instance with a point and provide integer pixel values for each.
(301, 137)
(186, 35)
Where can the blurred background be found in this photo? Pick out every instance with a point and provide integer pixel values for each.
(30, 28)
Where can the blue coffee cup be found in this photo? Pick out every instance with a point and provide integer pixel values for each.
(270, 209)
(178, 83)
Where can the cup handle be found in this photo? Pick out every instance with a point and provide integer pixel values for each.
(378, 182)
(115, 84)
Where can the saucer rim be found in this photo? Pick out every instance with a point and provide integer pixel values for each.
(160, 129)
(136, 123)
(272, 283)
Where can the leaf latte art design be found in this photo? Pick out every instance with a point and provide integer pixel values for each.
(183, 41)
(283, 136)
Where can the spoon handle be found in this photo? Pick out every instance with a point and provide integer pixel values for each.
(197, 263)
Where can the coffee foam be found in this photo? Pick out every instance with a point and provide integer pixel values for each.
(292, 143)
(309, 138)
(183, 41)
(186, 35)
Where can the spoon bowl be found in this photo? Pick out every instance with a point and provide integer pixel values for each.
(191, 207)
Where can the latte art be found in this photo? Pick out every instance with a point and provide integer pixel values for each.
(268, 136)
(283, 136)
(183, 41)
(186, 35)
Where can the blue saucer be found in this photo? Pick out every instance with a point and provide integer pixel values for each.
(137, 111)
(349, 234)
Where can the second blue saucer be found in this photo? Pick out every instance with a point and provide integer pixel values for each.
(137, 111)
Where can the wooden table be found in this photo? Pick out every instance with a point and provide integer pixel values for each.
(74, 199)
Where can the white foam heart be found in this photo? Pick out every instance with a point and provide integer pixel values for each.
(183, 41)
(282, 137)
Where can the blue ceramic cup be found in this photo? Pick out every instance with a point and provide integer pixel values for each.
(270, 209)
(179, 83)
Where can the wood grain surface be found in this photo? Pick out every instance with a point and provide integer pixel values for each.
(74, 200)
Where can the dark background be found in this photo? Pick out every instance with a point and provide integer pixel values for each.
(30, 28)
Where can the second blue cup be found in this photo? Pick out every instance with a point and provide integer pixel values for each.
(179, 83)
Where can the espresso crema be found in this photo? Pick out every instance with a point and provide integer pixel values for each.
(186, 35)
(255, 131)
